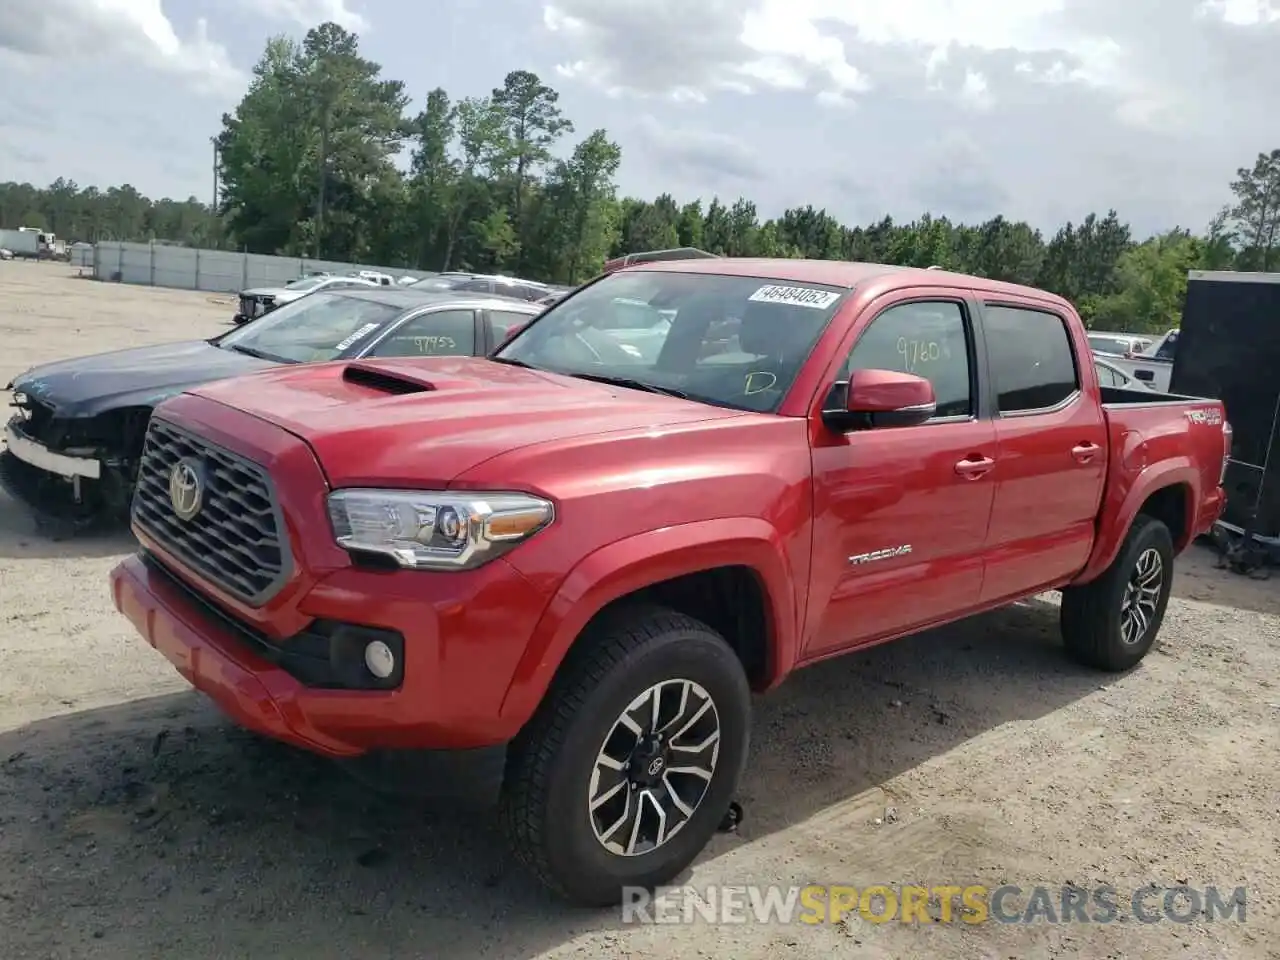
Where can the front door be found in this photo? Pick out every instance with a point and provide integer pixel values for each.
(1052, 440)
(901, 513)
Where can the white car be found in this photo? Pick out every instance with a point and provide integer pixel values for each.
(261, 300)
(1109, 375)
(1154, 365)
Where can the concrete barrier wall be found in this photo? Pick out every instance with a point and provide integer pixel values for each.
(218, 271)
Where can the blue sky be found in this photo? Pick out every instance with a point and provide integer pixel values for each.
(1040, 109)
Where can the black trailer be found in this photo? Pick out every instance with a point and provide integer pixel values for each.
(1230, 350)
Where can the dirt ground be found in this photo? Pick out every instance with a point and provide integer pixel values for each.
(136, 823)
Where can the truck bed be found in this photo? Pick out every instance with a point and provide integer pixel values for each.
(1184, 438)
(1122, 396)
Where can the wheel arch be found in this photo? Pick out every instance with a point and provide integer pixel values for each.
(1167, 491)
(731, 573)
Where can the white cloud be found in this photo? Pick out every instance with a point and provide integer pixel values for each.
(1062, 106)
(1242, 13)
(688, 51)
(83, 31)
(309, 13)
(975, 92)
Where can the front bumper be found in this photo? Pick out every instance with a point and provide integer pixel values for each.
(463, 636)
(38, 455)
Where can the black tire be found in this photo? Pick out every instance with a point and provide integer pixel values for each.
(545, 802)
(1093, 613)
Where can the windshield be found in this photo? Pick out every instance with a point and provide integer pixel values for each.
(314, 329)
(437, 283)
(306, 283)
(731, 341)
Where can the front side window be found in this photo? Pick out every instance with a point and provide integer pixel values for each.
(731, 341)
(443, 333)
(1032, 362)
(928, 339)
(312, 329)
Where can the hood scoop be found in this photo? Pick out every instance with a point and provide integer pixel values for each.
(376, 378)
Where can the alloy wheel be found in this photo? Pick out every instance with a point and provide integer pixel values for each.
(654, 767)
(1141, 597)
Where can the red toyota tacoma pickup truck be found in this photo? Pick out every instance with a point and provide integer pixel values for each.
(590, 547)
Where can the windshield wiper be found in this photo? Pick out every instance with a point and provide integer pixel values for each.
(633, 384)
(513, 363)
(260, 354)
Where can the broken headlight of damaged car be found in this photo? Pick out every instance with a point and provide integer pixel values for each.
(435, 530)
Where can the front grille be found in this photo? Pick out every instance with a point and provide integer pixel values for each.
(236, 539)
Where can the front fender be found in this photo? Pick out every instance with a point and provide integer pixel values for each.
(1120, 509)
(631, 564)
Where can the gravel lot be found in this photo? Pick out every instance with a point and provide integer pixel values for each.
(135, 823)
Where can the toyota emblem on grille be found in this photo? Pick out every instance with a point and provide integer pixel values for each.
(186, 488)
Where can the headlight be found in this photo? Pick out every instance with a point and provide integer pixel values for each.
(428, 530)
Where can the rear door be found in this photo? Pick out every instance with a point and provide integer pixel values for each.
(901, 513)
(1052, 439)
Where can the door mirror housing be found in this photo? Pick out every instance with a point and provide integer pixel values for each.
(874, 399)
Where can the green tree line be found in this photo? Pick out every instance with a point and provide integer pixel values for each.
(322, 157)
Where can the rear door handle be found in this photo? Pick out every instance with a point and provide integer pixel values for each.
(971, 468)
(1085, 452)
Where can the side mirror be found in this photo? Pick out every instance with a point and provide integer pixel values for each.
(882, 398)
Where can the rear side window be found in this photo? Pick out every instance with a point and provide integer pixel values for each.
(1106, 376)
(1169, 348)
(444, 333)
(927, 339)
(1032, 363)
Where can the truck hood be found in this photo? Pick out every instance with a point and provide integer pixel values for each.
(366, 428)
(87, 386)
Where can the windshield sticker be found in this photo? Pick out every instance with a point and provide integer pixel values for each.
(364, 331)
(431, 345)
(795, 296)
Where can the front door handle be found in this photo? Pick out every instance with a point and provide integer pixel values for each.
(1085, 452)
(971, 468)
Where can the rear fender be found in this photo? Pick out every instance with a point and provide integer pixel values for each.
(1117, 518)
(628, 565)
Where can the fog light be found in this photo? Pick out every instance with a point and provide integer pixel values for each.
(379, 659)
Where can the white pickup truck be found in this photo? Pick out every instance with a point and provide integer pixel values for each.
(1152, 366)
